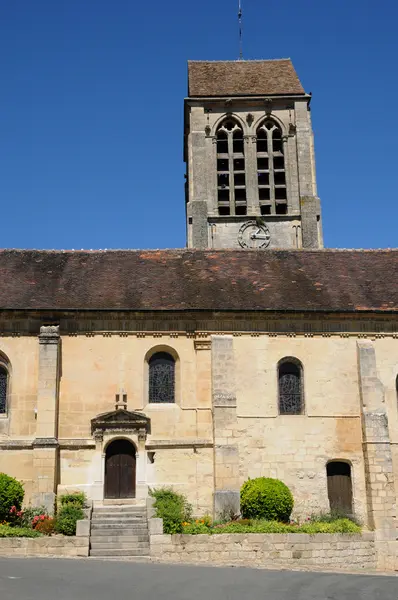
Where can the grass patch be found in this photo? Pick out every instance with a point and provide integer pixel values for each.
(27, 532)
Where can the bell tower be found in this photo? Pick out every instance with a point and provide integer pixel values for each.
(249, 151)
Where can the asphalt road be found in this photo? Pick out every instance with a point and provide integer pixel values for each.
(60, 579)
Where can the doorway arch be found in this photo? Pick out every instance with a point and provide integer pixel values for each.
(120, 469)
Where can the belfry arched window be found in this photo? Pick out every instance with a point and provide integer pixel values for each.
(290, 387)
(161, 378)
(4, 381)
(271, 174)
(231, 176)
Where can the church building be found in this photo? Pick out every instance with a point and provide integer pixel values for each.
(252, 352)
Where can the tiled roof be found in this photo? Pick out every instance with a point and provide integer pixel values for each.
(289, 280)
(243, 78)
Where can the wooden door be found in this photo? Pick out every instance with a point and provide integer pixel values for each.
(340, 487)
(120, 470)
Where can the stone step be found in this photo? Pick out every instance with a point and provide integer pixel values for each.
(95, 539)
(119, 527)
(120, 552)
(100, 533)
(110, 520)
(123, 545)
(119, 508)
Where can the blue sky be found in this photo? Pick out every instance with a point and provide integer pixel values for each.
(91, 110)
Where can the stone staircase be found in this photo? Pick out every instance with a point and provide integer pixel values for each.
(119, 530)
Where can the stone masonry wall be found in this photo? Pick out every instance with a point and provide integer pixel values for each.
(45, 546)
(324, 551)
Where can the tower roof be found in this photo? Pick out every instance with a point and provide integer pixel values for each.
(243, 78)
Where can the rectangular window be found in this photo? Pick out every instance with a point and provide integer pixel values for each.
(238, 146)
(279, 177)
(223, 180)
(223, 196)
(264, 193)
(222, 164)
(239, 179)
(265, 209)
(280, 193)
(223, 211)
(240, 195)
(222, 146)
(281, 209)
(263, 179)
(262, 164)
(239, 164)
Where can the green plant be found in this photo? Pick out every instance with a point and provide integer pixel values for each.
(76, 498)
(261, 526)
(266, 498)
(332, 516)
(67, 517)
(173, 508)
(11, 495)
(46, 526)
(29, 514)
(195, 528)
(7, 531)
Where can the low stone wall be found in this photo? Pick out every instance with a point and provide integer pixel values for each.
(58, 545)
(324, 551)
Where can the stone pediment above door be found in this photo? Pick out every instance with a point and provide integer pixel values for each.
(119, 421)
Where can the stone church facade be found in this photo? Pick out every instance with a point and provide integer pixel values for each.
(253, 352)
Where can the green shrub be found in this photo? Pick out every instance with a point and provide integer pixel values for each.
(76, 498)
(11, 494)
(332, 516)
(173, 508)
(67, 517)
(7, 531)
(266, 498)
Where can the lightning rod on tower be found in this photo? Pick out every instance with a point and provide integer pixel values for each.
(240, 29)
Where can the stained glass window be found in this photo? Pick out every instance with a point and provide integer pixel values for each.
(3, 389)
(290, 388)
(161, 378)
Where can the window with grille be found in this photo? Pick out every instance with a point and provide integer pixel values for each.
(271, 176)
(290, 380)
(231, 176)
(161, 378)
(3, 389)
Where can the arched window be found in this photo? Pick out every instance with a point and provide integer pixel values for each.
(161, 378)
(339, 487)
(290, 383)
(271, 169)
(3, 388)
(231, 177)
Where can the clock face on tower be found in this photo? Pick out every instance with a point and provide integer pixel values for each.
(253, 236)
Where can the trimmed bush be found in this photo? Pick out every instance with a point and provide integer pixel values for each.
(173, 508)
(67, 517)
(11, 494)
(76, 498)
(266, 498)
